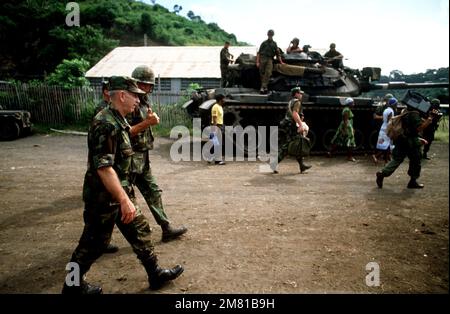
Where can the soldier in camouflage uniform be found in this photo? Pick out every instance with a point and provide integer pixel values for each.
(407, 145)
(289, 129)
(104, 102)
(264, 60)
(142, 139)
(225, 59)
(108, 192)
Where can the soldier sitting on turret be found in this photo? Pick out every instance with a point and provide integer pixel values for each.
(293, 46)
(334, 57)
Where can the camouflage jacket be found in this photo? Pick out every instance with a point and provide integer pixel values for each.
(288, 124)
(109, 145)
(101, 105)
(144, 140)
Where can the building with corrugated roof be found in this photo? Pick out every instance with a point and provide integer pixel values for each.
(177, 67)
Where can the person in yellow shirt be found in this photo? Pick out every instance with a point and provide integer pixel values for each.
(217, 129)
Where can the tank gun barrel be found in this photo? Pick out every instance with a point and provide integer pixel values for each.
(404, 85)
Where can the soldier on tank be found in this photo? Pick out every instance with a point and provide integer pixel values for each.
(109, 196)
(264, 60)
(225, 59)
(334, 57)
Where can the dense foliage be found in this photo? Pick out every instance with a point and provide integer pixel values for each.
(35, 37)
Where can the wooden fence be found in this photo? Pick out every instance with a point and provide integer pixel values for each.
(55, 105)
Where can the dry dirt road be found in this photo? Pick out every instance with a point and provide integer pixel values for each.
(249, 232)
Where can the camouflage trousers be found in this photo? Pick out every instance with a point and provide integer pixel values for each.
(405, 148)
(284, 139)
(99, 221)
(224, 76)
(265, 71)
(147, 185)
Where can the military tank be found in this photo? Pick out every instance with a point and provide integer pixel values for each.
(325, 87)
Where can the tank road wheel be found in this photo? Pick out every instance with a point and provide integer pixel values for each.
(373, 139)
(231, 117)
(327, 137)
(9, 130)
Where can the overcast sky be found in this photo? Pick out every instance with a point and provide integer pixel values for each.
(408, 35)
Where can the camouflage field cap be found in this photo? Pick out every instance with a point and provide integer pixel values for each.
(435, 101)
(144, 74)
(297, 90)
(388, 96)
(124, 83)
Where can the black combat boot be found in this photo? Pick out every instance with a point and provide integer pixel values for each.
(303, 166)
(170, 233)
(380, 178)
(111, 248)
(413, 184)
(83, 288)
(158, 276)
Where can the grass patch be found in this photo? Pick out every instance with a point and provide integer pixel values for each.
(441, 134)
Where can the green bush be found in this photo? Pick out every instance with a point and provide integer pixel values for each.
(69, 73)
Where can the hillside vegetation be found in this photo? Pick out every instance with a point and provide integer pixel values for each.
(35, 37)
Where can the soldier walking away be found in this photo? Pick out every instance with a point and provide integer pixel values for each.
(264, 60)
(225, 59)
(290, 129)
(345, 134)
(428, 132)
(109, 196)
(334, 57)
(407, 145)
(141, 120)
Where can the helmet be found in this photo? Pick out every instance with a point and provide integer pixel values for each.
(392, 102)
(144, 74)
(332, 45)
(349, 101)
(270, 32)
(435, 101)
(388, 96)
(296, 90)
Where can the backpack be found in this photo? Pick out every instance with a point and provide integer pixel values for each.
(395, 127)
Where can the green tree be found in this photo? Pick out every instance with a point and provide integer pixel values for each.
(147, 24)
(84, 42)
(69, 73)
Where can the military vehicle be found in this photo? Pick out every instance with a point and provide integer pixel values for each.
(325, 87)
(14, 123)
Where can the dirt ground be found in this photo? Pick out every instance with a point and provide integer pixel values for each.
(249, 231)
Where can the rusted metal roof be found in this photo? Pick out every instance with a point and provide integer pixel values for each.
(168, 62)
